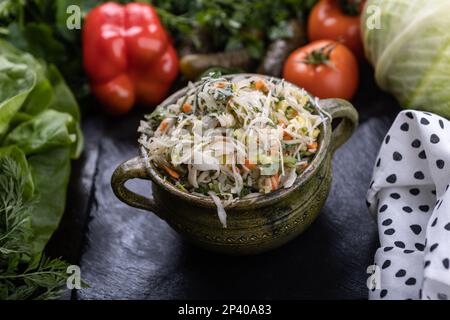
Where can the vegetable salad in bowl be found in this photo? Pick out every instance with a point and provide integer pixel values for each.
(233, 138)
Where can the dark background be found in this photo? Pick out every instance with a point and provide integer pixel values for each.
(126, 253)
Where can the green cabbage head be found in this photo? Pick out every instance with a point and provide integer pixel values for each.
(408, 43)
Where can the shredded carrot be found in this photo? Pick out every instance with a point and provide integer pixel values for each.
(282, 123)
(260, 85)
(274, 180)
(220, 85)
(163, 126)
(287, 136)
(172, 172)
(312, 146)
(249, 164)
(187, 108)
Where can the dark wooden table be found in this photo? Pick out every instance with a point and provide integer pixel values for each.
(125, 253)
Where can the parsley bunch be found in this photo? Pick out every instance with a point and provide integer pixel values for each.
(221, 25)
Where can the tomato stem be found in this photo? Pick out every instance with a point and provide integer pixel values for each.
(351, 7)
(320, 56)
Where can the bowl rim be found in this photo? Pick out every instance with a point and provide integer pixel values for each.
(244, 203)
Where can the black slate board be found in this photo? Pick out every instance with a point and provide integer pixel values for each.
(125, 253)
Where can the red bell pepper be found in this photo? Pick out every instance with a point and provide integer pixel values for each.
(128, 56)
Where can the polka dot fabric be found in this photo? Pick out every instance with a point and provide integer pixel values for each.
(409, 196)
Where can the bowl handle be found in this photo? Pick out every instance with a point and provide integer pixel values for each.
(132, 169)
(339, 108)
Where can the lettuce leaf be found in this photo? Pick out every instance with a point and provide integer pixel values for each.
(16, 81)
(64, 101)
(50, 171)
(40, 131)
(48, 130)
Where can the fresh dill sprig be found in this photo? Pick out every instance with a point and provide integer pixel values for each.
(22, 275)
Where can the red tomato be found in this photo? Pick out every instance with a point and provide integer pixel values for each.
(325, 68)
(329, 20)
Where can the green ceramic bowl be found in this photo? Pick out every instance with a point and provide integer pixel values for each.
(253, 225)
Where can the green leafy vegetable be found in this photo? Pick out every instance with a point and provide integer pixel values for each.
(39, 27)
(218, 25)
(16, 83)
(49, 114)
(64, 101)
(43, 132)
(39, 40)
(51, 172)
(15, 154)
(410, 49)
(23, 273)
(40, 134)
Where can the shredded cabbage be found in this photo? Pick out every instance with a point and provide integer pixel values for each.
(230, 139)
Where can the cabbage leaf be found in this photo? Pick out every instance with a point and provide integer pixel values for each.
(411, 51)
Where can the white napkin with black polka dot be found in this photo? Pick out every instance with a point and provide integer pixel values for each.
(410, 198)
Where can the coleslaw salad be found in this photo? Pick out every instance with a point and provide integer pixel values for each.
(236, 138)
